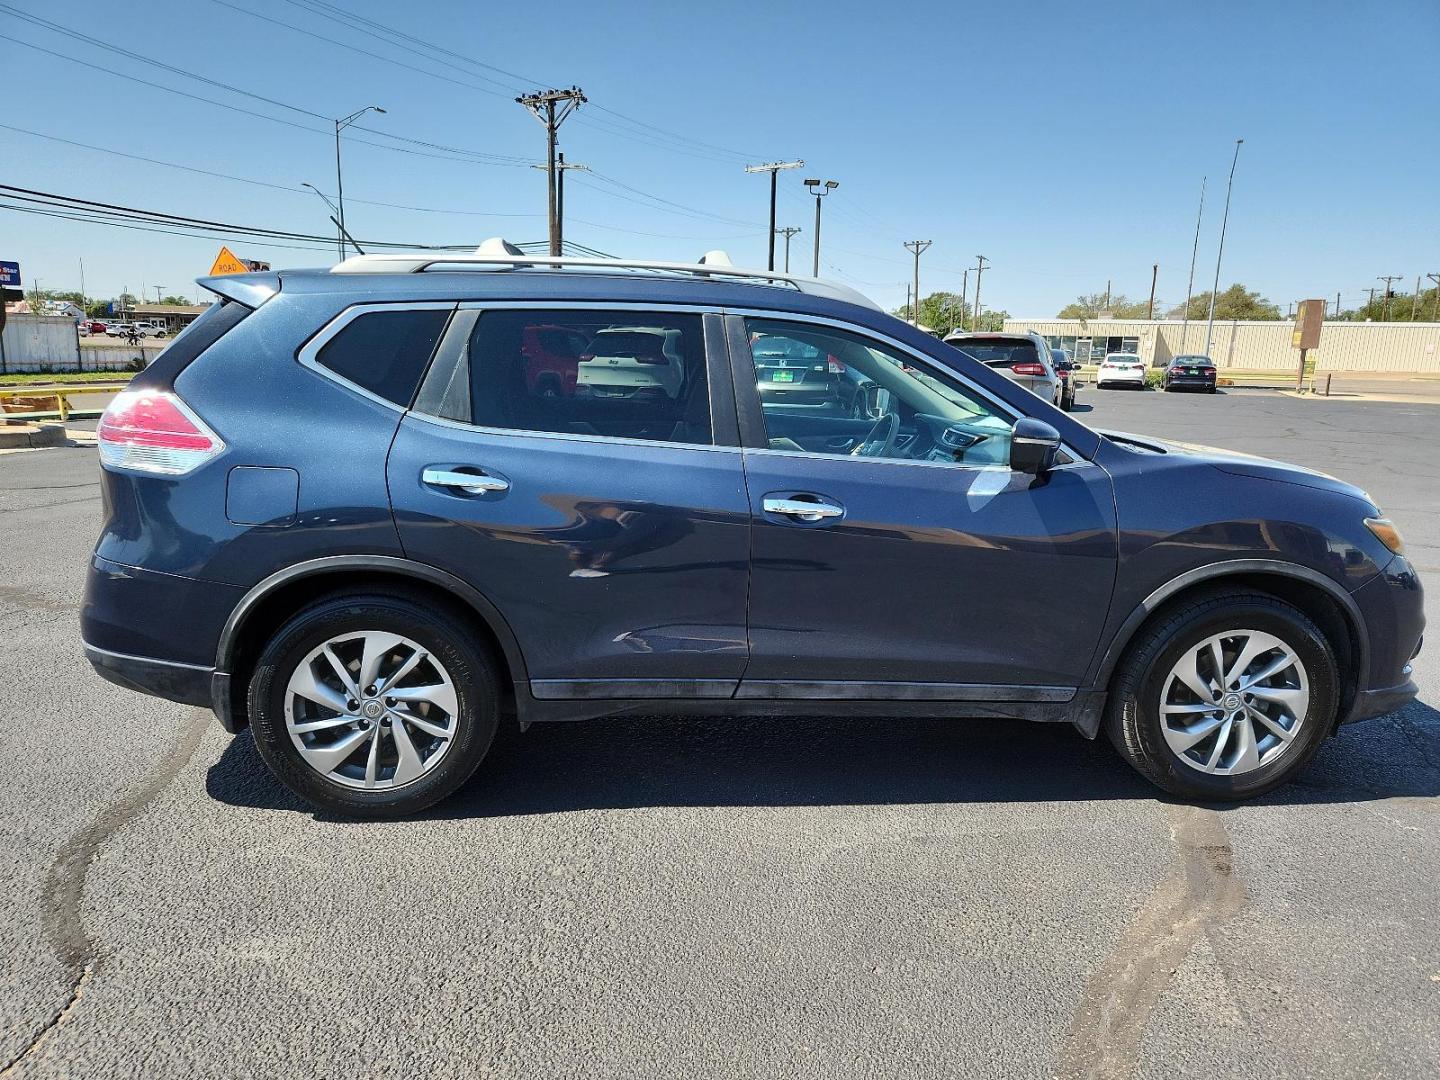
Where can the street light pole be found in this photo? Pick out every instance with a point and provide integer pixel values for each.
(819, 188)
(341, 125)
(1220, 251)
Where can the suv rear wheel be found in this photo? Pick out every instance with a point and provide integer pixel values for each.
(1225, 697)
(372, 705)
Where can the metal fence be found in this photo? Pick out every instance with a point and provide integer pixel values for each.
(48, 343)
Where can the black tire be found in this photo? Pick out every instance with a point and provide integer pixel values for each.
(1133, 722)
(445, 637)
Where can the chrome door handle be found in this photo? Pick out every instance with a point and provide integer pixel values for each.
(801, 510)
(471, 483)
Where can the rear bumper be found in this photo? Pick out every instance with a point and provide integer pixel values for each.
(1205, 381)
(188, 684)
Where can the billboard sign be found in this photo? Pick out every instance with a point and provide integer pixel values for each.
(9, 275)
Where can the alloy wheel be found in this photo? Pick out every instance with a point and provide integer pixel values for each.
(1234, 702)
(370, 709)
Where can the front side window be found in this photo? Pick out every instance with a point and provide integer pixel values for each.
(618, 374)
(385, 351)
(856, 396)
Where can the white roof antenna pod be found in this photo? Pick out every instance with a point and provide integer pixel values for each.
(497, 245)
(716, 258)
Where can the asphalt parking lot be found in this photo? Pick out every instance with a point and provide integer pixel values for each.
(662, 898)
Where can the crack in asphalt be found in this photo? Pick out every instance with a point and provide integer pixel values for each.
(64, 890)
(1199, 892)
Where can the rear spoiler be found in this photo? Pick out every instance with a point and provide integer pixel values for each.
(252, 290)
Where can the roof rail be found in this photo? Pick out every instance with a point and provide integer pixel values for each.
(487, 256)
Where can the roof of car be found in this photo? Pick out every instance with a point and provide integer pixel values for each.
(621, 286)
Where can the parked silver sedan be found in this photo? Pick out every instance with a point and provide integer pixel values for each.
(1024, 357)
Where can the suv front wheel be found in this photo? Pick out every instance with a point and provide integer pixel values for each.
(1225, 697)
(373, 705)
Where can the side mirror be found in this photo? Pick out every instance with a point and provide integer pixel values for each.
(1034, 445)
(877, 400)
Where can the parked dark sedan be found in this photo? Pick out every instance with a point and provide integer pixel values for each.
(339, 511)
(1190, 373)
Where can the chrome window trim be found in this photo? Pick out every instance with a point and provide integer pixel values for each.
(564, 436)
(588, 305)
(1077, 459)
(308, 354)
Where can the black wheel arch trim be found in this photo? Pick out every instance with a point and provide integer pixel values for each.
(1120, 640)
(389, 564)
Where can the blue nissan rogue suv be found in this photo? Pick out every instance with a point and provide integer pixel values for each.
(372, 512)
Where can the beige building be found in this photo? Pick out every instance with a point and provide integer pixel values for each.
(1249, 346)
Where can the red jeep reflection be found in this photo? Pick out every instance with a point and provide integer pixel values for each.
(552, 359)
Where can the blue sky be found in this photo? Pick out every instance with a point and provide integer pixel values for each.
(1066, 142)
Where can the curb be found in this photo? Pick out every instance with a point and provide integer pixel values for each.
(32, 436)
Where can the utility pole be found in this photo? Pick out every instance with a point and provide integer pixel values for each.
(1190, 285)
(1220, 251)
(1337, 303)
(964, 293)
(1389, 292)
(1415, 300)
(1370, 307)
(772, 168)
(1154, 274)
(918, 248)
(1105, 307)
(787, 232)
(158, 289)
(84, 300)
(1435, 316)
(980, 269)
(551, 107)
(561, 166)
(341, 125)
(819, 188)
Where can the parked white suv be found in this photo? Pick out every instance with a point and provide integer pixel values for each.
(154, 328)
(1023, 357)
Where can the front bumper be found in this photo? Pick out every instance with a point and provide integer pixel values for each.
(1371, 703)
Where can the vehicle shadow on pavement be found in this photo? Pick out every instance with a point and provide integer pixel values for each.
(610, 764)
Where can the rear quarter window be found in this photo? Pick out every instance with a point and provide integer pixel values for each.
(385, 352)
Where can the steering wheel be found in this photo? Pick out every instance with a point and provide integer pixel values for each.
(880, 439)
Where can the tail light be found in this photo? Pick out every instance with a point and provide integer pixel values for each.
(1207, 370)
(1028, 369)
(153, 431)
(833, 366)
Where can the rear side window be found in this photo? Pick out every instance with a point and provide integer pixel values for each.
(618, 374)
(385, 352)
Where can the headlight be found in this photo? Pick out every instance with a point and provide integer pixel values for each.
(1386, 532)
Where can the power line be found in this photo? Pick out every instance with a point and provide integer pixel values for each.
(91, 66)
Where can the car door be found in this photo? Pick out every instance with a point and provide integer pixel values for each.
(608, 525)
(909, 561)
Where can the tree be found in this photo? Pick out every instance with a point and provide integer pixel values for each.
(940, 311)
(1092, 306)
(1236, 302)
(992, 321)
(175, 300)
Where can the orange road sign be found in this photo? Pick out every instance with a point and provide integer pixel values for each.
(228, 263)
